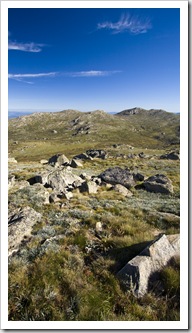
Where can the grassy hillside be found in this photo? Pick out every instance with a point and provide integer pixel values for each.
(73, 131)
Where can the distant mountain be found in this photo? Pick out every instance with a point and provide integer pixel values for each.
(138, 110)
(71, 129)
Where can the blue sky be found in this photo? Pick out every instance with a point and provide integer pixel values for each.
(88, 59)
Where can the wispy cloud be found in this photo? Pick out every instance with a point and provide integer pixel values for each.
(26, 47)
(91, 73)
(127, 23)
(20, 76)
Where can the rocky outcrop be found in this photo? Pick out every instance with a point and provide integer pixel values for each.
(20, 225)
(58, 160)
(158, 184)
(118, 176)
(135, 275)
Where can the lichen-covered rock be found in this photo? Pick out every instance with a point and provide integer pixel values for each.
(59, 180)
(136, 273)
(158, 184)
(118, 176)
(20, 224)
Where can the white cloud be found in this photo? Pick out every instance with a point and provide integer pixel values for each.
(92, 73)
(26, 47)
(20, 76)
(133, 25)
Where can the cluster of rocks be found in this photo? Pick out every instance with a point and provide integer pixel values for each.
(53, 185)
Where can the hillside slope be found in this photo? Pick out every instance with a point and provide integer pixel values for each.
(73, 130)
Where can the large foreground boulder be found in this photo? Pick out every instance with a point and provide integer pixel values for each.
(118, 176)
(158, 184)
(135, 275)
(20, 225)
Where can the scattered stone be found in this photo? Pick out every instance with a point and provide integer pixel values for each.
(136, 273)
(76, 163)
(20, 223)
(138, 177)
(97, 153)
(98, 227)
(82, 157)
(54, 131)
(67, 195)
(58, 160)
(11, 181)
(89, 186)
(12, 160)
(43, 161)
(53, 198)
(118, 176)
(122, 190)
(171, 156)
(158, 184)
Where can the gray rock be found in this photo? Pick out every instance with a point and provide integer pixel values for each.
(89, 186)
(97, 153)
(138, 176)
(75, 163)
(59, 180)
(136, 273)
(118, 176)
(58, 160)
(20, 224)
(82, 157)
(158, 184)
(53, 198)
(171, 156)
(122, 190)
(67, 195)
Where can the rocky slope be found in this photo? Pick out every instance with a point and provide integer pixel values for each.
(85, 204)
